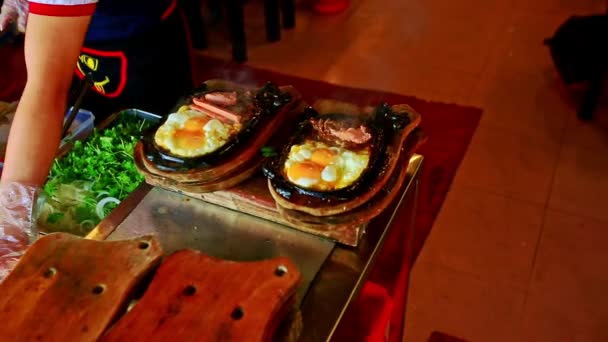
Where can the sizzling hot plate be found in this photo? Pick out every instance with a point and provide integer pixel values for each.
(267, 102)
(383, 125)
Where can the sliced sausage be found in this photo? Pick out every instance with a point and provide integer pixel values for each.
(222, 98)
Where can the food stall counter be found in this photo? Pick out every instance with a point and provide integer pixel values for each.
(332, 273)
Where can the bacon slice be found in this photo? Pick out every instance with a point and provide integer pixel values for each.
(358, 135)
(222, 98)
(216, 112)
(342, 132)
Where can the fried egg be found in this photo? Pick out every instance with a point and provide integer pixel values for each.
(318, 166)
(189, 133)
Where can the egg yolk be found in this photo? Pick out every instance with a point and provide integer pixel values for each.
(304, 170)
(314, 165)
(192, 135)
(323, 156)
(189, 139)
(195, 123)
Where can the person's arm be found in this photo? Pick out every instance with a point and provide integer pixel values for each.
(52, 46)
(54, 35)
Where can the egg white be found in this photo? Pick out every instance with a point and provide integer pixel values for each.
(346, 167)
(215, 133)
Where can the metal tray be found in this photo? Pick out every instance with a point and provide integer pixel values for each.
(333, 274)
(132, 111)
(105, 124)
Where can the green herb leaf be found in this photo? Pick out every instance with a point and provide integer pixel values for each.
(104, 162)
(268, 151)
(54, 217)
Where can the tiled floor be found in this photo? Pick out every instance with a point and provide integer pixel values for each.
(520, 249)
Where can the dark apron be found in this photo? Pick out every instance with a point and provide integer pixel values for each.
(149, 72)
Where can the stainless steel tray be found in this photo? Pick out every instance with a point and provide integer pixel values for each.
(142, 114)
(333, 274)
(105, 124)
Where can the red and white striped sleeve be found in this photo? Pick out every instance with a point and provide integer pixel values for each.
(63, 8)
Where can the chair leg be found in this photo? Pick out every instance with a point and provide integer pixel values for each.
(236, 26)
(591, 97)
(288, 9)
(196, 23)
(273, 20)
(215, 11)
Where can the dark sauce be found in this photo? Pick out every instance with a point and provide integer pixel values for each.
(267, 102)
(384, 126)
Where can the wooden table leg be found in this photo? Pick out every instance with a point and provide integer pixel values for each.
(273, 20)
(592, 97)
(288, 9)
(195, 22)
(409, 255)
(236, 25)
(215, 11)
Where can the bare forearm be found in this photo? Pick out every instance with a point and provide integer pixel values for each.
(34, 137)
(52, 45)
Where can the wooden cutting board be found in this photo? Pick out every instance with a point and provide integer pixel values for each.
(194, 297)
(66, 288)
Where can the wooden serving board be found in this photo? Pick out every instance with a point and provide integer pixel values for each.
(253, 197)
(345, 222)
(194, 297)
(66, 288)
(232, 171)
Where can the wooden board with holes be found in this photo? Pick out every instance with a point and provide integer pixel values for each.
(194, 297)
(66, 288)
